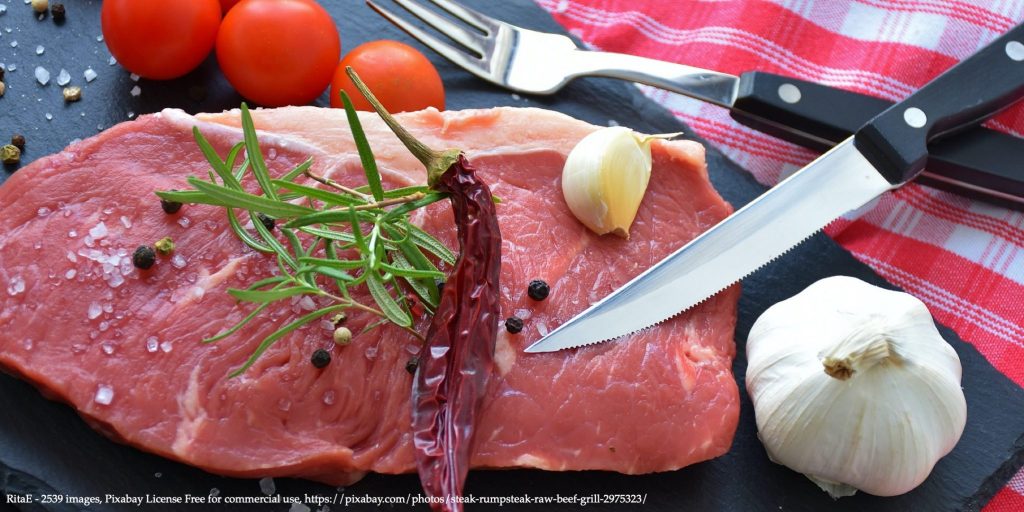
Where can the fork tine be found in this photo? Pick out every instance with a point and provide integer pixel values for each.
(460, 58)
(485, 23)
(457, 33)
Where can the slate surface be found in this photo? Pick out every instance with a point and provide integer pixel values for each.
(46, 448)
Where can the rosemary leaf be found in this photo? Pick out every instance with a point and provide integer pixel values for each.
(363, 147)
(334, 273)
(319, 193)
(334, 263)
(425, 289)
(387, 303)
(270, 295)
(299, 170)
(411, 272)
(189, 197)
(244, 235)
(268, 281)
(247, 201)
(274, 244)
(229, 162)
(428, 242)
(252, 151)
(280, 333)
(430, 198)
(218, 165)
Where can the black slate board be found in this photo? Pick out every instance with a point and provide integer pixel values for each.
(46, 448)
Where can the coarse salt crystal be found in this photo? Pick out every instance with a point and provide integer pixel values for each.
(116, 279)
(98, 231)
(49, 116)
(523, 314)
(267, 486)
(12, 67)
(134, 77)
(14, 44)
(63, 78)
(108, 308)
(371, 352)
(542, 328)
(112, 60)
(99, 38)
(307, 303)
(42, 75)
(135, 91)
(40, 50)
(185, 222)
(94, 310)
(327, 325)
(166, 347)
(152, 344)
(104, 325)
(126, 222)
(107, 347)
(178, 261)
(329, 397)
(16, 286)
(72, 258)
(131, 114)
(72, 233)
(89, 75)
(3, 8)
(70, 274)
(104, 395)
(43, 211)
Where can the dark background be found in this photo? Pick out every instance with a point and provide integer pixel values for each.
(45, 447)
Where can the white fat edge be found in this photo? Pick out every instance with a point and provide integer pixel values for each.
(193, 415)
(181, 119)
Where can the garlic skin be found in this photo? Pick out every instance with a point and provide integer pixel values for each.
(605, 178)
(854, 387)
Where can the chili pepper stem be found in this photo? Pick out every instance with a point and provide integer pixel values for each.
(436, 162)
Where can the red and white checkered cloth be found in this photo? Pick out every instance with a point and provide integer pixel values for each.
(963, 258)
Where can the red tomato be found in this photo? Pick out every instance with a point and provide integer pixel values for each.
(278, 52)
(226, 5)
(401, 78)
(160, 39)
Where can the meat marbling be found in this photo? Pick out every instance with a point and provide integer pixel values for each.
(123, 347)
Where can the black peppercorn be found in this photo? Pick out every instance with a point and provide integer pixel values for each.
(440, 286)
(170, 207)
(1, 73)
(57, 11)
(268, 222)
(412, 364)
(538, 290)
(513, 324)
(321, 358)
(144, 257)
(18, 139)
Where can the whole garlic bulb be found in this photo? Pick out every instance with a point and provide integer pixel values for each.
(605, 177)
(854, 387)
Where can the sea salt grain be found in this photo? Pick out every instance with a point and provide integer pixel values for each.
(49, 116)
(63, 78)
(166, 347)
(178, 261)
(42, 75)
(3, 8)
(70, 274)
(135, 91)
(185, 222)
(98, 231)
(14, 44)
(104, 395)
(126, 222)
(15, 286)
(40, 50)
(152, 344)
(267, 486)
(108, 348)
(134, 77)
(112, 61)
(329, 397)
(89, 75)
(43, 211)
(99, 38)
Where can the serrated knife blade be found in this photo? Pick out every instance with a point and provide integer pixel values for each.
(837, 182)
(886, 153)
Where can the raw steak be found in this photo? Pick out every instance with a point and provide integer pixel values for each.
(124, 348)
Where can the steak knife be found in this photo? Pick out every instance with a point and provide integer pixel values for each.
(882, 155)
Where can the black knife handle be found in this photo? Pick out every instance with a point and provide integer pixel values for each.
(896, 141)
(812, 115)
(979, 163)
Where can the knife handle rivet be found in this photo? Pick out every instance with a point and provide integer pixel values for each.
(791, 93)
(1015, 50)
(915, 117)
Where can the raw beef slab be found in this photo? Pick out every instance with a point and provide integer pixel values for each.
(123, 346)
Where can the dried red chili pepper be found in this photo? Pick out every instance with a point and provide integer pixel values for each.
(453, 370)
(457, 362)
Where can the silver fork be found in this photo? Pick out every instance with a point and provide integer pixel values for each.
(542, 63)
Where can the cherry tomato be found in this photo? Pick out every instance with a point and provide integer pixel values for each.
(401, 77)
(278, 52)
(160, 39)
(226, 5)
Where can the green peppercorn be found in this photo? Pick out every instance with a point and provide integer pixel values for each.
(538, 290)
(10, 154)
(412, 364)
(267, 221)
(170, 207)
(144, 257)
(513, 324)
(321, 358)
(164, 246)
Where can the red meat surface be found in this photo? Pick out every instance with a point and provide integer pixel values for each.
(122, 346)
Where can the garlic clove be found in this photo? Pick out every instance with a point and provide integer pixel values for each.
(605, 178)
(854, 387)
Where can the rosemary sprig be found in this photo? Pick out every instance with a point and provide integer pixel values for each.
(364, 232)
